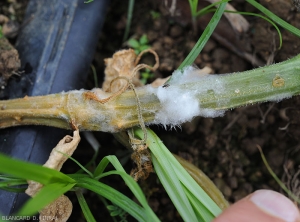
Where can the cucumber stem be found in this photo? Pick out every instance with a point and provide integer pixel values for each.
(212, 94)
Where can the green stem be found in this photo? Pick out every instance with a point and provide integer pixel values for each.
(211, 92)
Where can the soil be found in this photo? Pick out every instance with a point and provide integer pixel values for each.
(9, 57)
(9, 62)
(225, 148)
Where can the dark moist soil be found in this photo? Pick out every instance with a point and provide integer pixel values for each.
(11, 14)
(225, 148)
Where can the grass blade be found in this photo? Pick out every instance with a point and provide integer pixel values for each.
(129, 18)
(205, 36)
(31, 171)
(132, 185)
(200, 200)
(263, 17)
(14, 182)
(275, 18)
(84, 207)
(204, 182)
(168, 177)
(14, 190)
(114, 196)
(83, 168)
(198, 206)
(172, 185)
(207, 9)
(45, 196)
(280, 183)
(101, 167)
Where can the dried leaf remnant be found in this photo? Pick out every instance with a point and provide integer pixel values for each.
(124, 66)
(60, 209)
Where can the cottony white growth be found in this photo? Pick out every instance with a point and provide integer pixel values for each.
(179, 104)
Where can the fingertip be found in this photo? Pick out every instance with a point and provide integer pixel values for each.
(276, 205)
(262, 205)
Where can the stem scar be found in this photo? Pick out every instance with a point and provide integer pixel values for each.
(278, 81)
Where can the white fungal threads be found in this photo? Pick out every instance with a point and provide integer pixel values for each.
(179, 104)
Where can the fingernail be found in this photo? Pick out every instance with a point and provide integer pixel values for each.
(276, 204)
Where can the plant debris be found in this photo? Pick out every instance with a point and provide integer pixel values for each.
(297, 4)
(121, 64)
(9, 61)
(124, 63)
(237, 21)
(10, 28)
(124, 66)
(62, 151)
(60, 209)
(142, 158)
(57, 211)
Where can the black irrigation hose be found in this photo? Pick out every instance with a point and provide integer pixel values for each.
(56, 47)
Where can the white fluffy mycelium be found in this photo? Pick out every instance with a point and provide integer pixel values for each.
(179, 104)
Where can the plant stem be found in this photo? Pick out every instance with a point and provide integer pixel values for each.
(212, 92)
(47, 110)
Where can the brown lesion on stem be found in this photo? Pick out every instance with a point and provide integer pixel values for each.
(96, 110)
(141, 155)
(40, 110)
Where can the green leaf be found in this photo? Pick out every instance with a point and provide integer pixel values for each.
(165, 166)
(129, 18)
(1, 33)
(172, 185)
(116, 211)
(132, 185)
(31, 171)
(14, 190)
(88, 1)
(167, 175)
(144, 47)
(84, 207)
(45, 196)
(275, 18)
(79, 164)
(9, 183)
(112, 207)
(280, 183)
(144, 39)
(263, 17)
(115, 197)
(193, 6)
(204, 37)
(154, 14)
(198, 207)
(101, 167)
(133, 43)
(207, 9)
